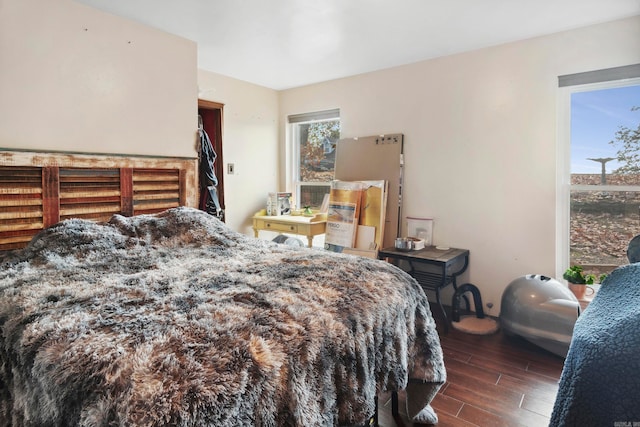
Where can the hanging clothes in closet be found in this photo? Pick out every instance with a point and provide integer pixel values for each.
(208, 181)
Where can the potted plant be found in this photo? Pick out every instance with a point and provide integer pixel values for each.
(578, 280)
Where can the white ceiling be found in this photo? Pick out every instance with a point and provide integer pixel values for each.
(287, 43)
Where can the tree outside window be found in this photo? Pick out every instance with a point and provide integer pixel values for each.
(605, 176)
(315, 144)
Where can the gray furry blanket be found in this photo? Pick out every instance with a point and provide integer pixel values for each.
(174, 319)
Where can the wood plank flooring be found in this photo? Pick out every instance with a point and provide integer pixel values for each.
(492, 380)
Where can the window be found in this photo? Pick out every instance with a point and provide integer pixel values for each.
(313, 140)
(600, 170)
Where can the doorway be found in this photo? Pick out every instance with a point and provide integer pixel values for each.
(211, 114)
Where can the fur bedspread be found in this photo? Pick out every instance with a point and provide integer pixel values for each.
(174, 319)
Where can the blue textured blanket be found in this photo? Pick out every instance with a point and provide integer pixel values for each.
(600, 382)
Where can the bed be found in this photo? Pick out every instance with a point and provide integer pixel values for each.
(172, 318)
(599, 383)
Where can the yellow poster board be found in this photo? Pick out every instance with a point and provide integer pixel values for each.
(356, 206)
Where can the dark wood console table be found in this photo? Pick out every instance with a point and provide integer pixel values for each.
(443, 266)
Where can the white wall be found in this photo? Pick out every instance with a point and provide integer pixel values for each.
(73, 78)
(480, 140)
(250, 142)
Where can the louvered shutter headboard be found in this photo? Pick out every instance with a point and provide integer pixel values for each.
(40, 189)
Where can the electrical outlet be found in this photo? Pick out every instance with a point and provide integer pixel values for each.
(489, 307)
(231, 168)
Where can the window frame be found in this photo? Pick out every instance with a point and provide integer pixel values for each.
(293, 148)
(582, 82)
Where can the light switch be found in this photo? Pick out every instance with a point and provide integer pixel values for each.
(230, 168)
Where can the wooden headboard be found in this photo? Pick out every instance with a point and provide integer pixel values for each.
(40, 189)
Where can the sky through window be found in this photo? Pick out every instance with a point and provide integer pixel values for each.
(595, 117)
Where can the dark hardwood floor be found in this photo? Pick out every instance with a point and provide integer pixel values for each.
(492, 380)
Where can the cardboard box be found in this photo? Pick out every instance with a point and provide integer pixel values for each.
(367, 253)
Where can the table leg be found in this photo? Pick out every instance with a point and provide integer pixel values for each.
(444, 313)
(310, 241)
(464, 297)
(375, 421)
(394, 403)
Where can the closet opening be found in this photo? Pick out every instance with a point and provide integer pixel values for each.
(210, 120)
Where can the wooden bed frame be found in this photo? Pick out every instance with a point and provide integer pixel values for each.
(38, 190)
